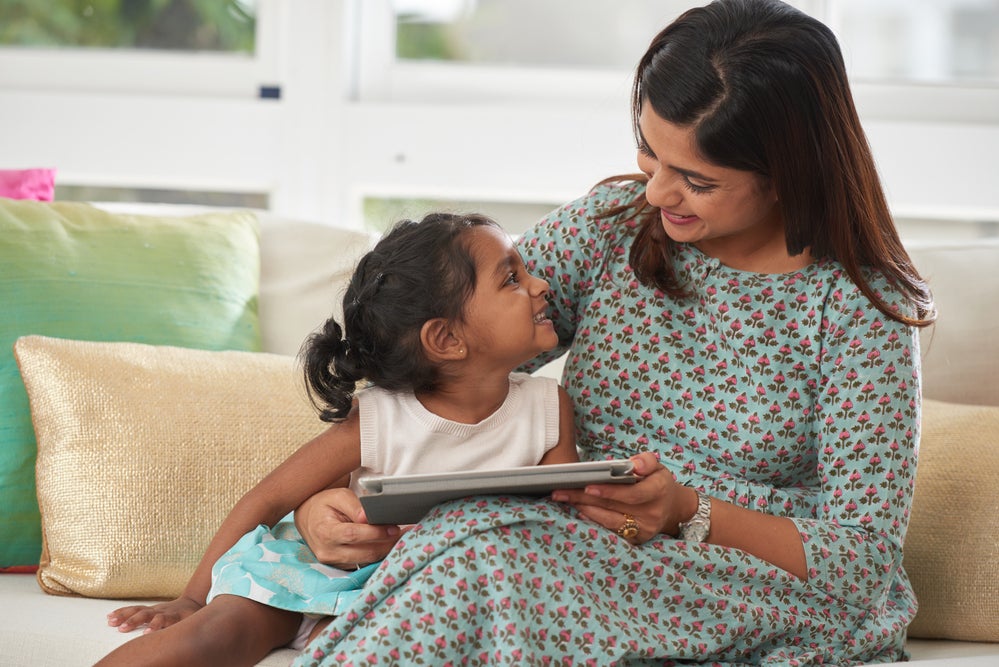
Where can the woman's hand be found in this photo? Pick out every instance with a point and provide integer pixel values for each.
(335, 528)
(657, 502)
(154, 617)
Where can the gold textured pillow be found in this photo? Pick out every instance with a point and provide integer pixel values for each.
(142, 452)
(952, 547)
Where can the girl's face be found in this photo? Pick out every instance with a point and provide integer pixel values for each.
(728, 214)
(505, 319)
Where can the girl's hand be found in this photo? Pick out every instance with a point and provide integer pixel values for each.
(657, 502)
(154, 617)
(335, 528)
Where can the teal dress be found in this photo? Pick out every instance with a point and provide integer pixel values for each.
(789, 394)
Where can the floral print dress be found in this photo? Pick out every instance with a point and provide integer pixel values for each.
(789, 394)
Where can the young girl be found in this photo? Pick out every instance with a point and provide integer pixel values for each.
(436, 318)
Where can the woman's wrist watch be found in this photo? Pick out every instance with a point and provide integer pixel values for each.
(696, 528)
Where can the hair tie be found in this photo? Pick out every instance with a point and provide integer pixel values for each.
(377, 280)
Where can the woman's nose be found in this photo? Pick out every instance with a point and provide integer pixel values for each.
(661, 193)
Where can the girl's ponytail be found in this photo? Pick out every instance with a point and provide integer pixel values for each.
(330, 374)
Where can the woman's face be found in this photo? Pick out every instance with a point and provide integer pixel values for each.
(728, 214)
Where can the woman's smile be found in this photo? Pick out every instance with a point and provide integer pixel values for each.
(675, 219)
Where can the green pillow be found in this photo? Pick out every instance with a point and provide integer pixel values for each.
(69, 270)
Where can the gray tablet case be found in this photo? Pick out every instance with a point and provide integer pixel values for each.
(406, 498)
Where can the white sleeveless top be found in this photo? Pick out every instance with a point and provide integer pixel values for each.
(401, 437)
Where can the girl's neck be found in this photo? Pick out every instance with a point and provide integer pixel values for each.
(466, 400)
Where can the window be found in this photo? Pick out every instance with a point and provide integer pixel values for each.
(453, 50)
(175, 25)
(380, 213)
(205, 47)
(925, 41)
(380, 109)
(161, 196)
(925, 76)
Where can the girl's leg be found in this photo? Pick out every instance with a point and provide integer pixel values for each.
(228, 631)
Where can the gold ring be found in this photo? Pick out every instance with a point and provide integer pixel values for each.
(628, 529)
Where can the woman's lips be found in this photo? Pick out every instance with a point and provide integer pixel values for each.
(674, 219)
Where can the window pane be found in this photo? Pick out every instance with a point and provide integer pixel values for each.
(914, 40)
(937, 230)
(923, 40)
(175, 25)
(153, 195)
(531, 32)
(380, 213)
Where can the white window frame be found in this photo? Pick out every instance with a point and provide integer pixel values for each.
(351, 124)
(382, 78)
(933, 143)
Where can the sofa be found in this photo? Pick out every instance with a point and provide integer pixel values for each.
(123, 428)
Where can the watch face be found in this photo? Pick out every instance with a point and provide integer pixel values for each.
(695, 531)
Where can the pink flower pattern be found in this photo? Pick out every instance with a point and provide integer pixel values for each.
(788, 394)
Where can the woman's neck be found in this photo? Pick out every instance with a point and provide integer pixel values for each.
(768, 255)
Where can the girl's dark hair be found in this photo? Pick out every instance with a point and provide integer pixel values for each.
(417, 272)
(765, 90)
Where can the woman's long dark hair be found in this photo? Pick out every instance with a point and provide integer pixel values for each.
(765, 90)
(417, 272)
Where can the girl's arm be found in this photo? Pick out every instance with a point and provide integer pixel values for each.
(318, 464)
(564, 450)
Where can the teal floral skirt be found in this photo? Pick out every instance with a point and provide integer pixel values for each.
(525, 581)
(275, 567)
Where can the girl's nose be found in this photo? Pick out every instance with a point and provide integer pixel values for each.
(539, 286)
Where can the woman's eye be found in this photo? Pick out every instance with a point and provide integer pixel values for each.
(695, 188)
(644, 149)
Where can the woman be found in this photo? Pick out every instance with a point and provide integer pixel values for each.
(740, 318)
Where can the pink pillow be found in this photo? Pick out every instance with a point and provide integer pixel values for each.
(37, 184)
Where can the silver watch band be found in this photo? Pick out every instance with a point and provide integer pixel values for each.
(696, 529)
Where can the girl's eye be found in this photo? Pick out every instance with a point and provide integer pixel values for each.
(511, 279)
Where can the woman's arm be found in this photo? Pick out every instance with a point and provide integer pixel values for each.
(845, 529)
(659, 504)
(315, 466)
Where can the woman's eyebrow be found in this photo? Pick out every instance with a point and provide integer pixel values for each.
(690, 173)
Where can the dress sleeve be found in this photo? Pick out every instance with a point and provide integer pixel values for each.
(865, 426)
(567, 248)
(867, 423)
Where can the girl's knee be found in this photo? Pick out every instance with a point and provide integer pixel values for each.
(237, 623)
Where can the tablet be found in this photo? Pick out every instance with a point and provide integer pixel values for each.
(406, 498)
